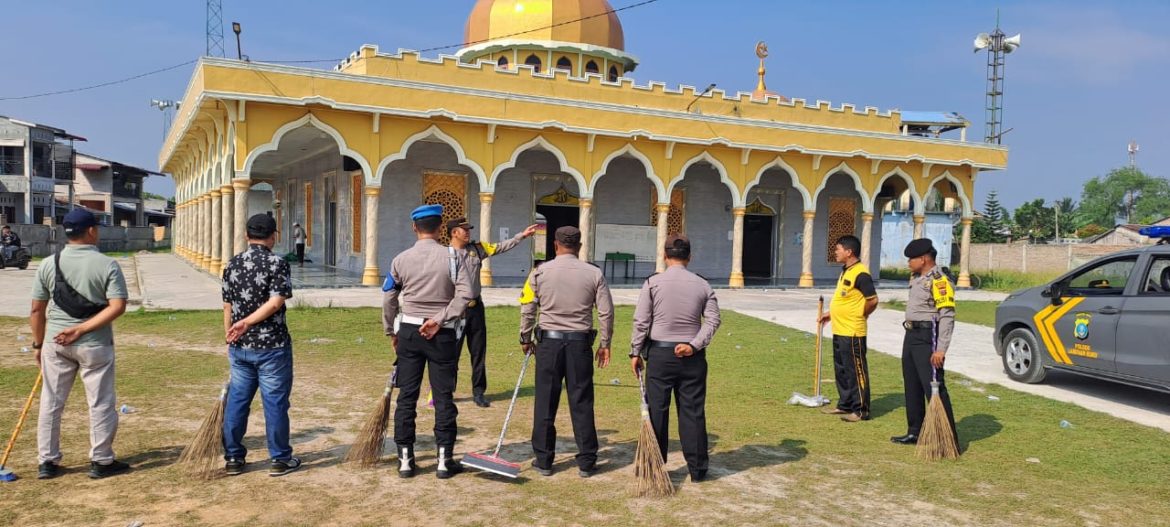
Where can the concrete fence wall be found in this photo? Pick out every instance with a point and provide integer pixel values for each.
(1029, 258)
(43, 240)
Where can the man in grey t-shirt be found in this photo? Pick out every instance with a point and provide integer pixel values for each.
(76, 345)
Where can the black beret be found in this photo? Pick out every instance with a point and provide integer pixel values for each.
(918, 248)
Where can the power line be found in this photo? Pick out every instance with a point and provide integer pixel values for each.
(436, 48)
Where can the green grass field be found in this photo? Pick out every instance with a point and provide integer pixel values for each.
(1001, 281)
(771, 463)
(969, 311)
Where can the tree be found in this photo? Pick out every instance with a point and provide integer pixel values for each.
(1125, 195)
(990, 226)
(1068, 218)
(1036, 220)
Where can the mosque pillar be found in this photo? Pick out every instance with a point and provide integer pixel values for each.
(965, 255)
(806, 250)
(200, 245)
(485, 225)
(736, 280)
(663, 218)
(205, 230)
(216, 265)
(240, 225)
(227, 198)
(371, 274)
(866, 238)
(919, 226)
(585, 225)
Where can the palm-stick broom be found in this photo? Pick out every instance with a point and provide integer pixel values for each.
(651, 478)
(817, 399)
(494, 463)
(937, 440)
(203, 456)
(367, 448)
(7, 475)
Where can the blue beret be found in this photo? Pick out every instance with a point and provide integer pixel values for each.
(426, 211)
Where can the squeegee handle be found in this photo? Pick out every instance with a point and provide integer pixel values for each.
(511, 405)
(20, 422)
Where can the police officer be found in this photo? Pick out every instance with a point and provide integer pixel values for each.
(565, 290)
(853, 301)
(434, 293)
(930, 321)
(471, 256)
(676, 318)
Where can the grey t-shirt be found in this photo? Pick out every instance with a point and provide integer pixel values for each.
(94, 275)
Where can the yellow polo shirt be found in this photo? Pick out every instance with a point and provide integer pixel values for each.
(847, 309)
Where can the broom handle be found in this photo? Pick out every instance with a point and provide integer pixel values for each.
(817, 366)
(642, 388)
(20, 422)
(511, 406)
(933, 347)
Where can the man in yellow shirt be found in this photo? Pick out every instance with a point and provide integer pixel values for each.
(853, 301)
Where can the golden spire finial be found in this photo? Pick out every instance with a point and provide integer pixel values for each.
(762, 53)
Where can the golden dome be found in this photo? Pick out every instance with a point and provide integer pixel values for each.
(530, 20)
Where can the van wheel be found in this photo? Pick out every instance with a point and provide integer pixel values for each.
(23, 265)
(1021, 357)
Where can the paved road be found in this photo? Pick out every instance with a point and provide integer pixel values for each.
(170, 283)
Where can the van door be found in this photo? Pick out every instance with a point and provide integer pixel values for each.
(1143, 334)
(1082, 330)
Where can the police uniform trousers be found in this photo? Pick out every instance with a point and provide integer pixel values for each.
(475, 334)
(686, 379)
(570, 361)
(439, 356)
(917, 347)
(851, 370)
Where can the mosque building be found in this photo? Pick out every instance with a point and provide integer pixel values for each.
(537, 118)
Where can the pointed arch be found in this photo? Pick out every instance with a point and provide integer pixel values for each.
(705, 156)
(633, 152)
(312, 120)
(899, 173)
(434, 132)
(792, 175)
(843, 168)
(544, 144)
(968, 212)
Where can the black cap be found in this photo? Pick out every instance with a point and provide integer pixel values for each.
(78, 220)
(918, 248)
(261, 226)
(677, 241)
(458, 222)
(569, 236)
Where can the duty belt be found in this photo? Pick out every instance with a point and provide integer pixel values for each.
(664, 344)
(581, 336)
(418, 321)
(917, 324)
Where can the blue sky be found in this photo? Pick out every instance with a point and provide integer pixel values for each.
(1088, 78)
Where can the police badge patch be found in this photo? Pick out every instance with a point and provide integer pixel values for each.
(1081, 326)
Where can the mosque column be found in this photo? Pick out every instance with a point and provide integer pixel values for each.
(200, 242)
(176, 229)
(663, 218)
(225, 231)
(371, 273)
(216, 265)
(208, 220)
(965, 255)
(240, 225)
(584, 224)
(919, 226)
(806, 250)
(485, 225)
(866, 238)
(736, 280)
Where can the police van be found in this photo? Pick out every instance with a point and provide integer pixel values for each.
(1108, 319)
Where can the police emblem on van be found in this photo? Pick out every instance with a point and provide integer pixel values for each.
(1081, 326)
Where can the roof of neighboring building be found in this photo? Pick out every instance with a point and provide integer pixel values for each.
(59, 132)
(109, 163)
(146, 210)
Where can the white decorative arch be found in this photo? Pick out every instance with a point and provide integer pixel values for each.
(968, 212)
(539, 141)
(843, 168)
(736, 199)
(434, 132)
(313, 121)
(779, 163)
(898, 172)
(629, 149)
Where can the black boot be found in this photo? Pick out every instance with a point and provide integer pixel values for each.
(406, 465)
(447, 465)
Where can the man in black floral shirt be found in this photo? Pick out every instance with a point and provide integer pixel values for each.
(256, 285)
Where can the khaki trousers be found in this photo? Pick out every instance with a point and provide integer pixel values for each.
(60, 365)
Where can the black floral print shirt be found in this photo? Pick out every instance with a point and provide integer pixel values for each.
(249, 280)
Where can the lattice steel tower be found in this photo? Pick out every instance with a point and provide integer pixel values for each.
(997, 45)
(215, 28)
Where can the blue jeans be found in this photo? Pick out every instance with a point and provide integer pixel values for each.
(271, 370)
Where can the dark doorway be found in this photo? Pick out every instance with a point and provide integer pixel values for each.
(331, 234)
(557, 217)
(757, 246)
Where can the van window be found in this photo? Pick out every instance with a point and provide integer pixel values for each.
(1158, 277)
(1104, 279)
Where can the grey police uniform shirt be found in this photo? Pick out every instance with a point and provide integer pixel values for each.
(470, 260)
(920, 307)
(94, 275)
(422, 275)
(675, 305)
(566, 290)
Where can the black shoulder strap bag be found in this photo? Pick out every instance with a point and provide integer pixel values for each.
(68, 299)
